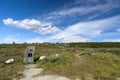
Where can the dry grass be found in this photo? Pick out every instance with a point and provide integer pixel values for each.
(73, 62)
(103, 66)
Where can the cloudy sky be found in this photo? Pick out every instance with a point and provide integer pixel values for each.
(59, 21)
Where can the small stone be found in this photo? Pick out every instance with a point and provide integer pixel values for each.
(42, 57)
(10, 61)
(56, 55)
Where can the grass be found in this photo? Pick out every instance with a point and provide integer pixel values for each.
(103, 66)
(106, 66)
(54, 64)
(87, 61)
(10, 71)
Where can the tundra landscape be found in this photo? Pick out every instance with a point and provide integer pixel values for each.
(59, 39)
(75, 61)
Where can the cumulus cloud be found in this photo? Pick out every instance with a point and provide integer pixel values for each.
(33, 25)
(79, 32)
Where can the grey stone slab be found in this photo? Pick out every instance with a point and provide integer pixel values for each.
(29, 54)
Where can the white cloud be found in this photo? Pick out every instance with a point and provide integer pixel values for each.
(18, 40)
(84, 31)
(118, 29)
(111, 40)
(10, 40)
(18, 34)
(34, 40)
(98, 8)
(79, 32)
(67, 39)
(33, 25)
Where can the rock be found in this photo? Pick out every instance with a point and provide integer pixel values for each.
(118, 78)
(10, 61)
(42, 57)
(56, 55)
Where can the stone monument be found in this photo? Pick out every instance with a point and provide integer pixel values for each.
(29, 54)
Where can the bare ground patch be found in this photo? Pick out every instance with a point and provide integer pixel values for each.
(31, 71)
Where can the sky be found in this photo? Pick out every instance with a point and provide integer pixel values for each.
(63, 21)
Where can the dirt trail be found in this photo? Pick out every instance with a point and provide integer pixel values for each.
(31, 71)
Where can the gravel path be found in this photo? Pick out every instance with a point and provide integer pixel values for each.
(31, 70)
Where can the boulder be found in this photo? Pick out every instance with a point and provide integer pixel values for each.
(9, 61)
(56, 55)
(42, 57)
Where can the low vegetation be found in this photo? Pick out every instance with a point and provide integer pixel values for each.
(87, 61)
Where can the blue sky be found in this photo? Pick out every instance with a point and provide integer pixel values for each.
(59, 21)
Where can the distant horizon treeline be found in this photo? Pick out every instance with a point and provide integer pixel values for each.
(96, 44)
(75, 44)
